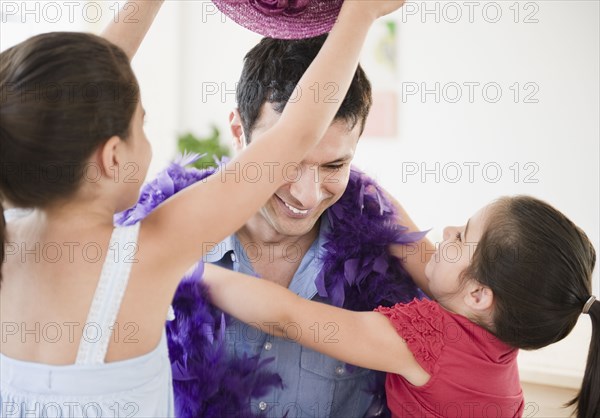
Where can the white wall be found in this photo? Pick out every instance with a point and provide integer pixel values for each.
(215, 48)
(190, 62)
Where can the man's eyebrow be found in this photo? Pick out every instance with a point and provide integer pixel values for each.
(339, 160)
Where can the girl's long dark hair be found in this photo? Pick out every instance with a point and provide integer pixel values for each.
(62, 95)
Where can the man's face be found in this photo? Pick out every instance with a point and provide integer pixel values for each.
(315, 184)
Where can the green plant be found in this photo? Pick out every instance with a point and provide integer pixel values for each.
(210, 147)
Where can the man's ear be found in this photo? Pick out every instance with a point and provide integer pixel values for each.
(479, 298)
(237, 130)
(109, 156)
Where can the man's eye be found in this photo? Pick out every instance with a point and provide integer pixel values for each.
(334, 166)
(458, 236)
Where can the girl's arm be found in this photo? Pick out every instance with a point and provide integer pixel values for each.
(129, 28)
(365, 339)
(184, 227)
(416, 255)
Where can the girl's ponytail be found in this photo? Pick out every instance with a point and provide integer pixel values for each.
(588, 400)
(2, 237)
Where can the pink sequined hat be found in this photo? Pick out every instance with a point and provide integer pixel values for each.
(283, 19)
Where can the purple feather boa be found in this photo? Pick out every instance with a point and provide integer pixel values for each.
(206, 385)
(358, 273)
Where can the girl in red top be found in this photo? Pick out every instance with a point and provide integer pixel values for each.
(517, 275)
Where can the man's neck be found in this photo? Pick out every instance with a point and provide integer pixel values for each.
(259, 232)
(275, 256)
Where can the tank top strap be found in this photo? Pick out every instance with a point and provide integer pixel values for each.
(108, 296)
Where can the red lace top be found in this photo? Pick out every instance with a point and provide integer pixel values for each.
(473, 374)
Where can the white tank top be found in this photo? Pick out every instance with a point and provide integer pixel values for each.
(137, 387)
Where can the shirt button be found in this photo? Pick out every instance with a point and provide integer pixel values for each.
(339, 370)
(262, 405)
(268, 345)
(233, 257)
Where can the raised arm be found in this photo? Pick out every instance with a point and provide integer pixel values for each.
(130, 26)
(205, 213)
(365, 339)
(416, 255)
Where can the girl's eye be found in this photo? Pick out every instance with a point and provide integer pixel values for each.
(458, 236)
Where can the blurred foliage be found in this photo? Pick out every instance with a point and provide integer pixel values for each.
(210, 145)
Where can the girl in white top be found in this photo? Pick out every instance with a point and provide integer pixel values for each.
(83, 304)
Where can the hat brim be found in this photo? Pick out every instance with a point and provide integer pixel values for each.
(318, 18)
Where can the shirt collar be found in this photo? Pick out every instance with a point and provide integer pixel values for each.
(303, 282)
(220, 250)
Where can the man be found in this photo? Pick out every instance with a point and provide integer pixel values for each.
(330, 234)
(326, 235)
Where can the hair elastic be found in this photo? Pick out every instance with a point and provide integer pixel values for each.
(588, 304)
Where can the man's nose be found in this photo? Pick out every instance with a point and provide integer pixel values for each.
(306, 188)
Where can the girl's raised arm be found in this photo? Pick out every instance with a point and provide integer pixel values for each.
(130, 26)
(415, 255)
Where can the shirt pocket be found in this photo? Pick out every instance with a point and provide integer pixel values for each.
(336, 388)
(242, 339)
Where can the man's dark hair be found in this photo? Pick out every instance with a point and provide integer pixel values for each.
(273, 68)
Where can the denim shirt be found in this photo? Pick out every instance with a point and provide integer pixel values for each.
(314, 385)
